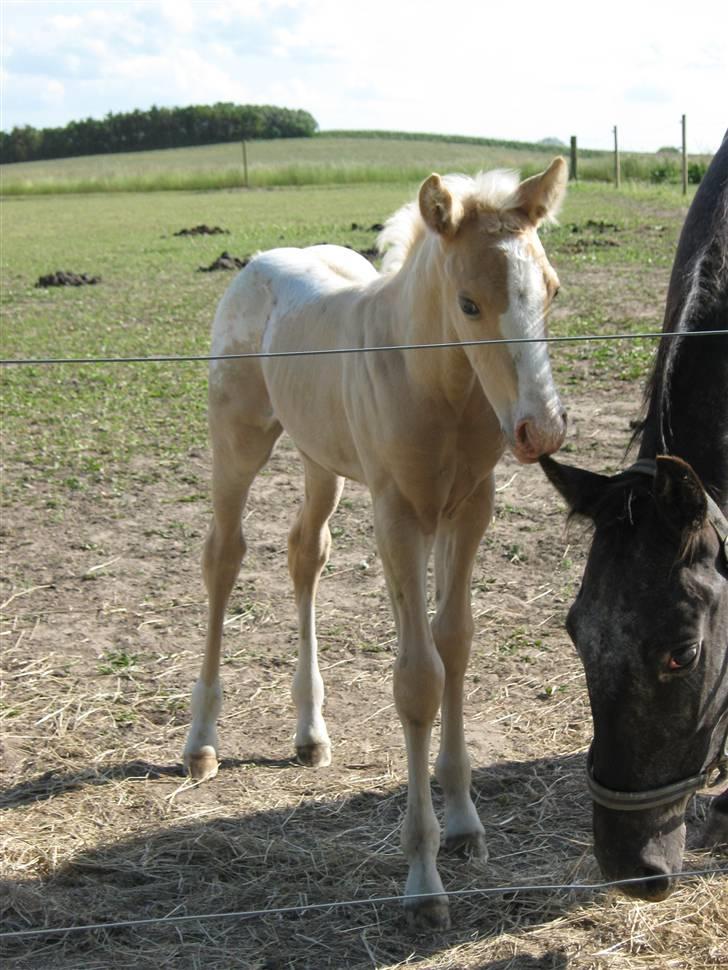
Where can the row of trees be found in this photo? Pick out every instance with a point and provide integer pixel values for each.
(156, 128)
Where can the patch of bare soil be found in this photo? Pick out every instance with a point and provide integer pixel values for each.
(64, 278)
(225, 262)
(203, 230)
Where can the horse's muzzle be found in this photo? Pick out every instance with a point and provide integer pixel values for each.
(534, 439)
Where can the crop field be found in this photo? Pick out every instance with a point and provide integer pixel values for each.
(323, 160)
(104, 512)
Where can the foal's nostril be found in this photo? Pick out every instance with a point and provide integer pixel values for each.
(522, 434)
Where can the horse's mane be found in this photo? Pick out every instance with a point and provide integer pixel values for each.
(406, 228)
(697, 300)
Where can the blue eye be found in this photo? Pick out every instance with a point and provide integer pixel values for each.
(469, 308)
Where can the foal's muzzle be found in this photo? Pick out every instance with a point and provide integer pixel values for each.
(535, 439)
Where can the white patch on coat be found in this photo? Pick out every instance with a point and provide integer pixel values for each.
(538, 398)
(277, 283)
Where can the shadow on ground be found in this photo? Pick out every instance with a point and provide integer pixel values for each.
(537, 819)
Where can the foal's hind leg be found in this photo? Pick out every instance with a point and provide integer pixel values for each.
(308, 551)
(452, 628)
(239, 452)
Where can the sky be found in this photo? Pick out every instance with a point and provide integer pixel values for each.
(511, 69)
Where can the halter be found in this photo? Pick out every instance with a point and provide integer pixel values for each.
(640, 801)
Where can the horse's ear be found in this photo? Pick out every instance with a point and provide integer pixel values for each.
(440, 211)
(680, 496)
(581, 489)
(540, 196)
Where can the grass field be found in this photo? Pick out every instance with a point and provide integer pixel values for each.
(105, 507)
(299, 161)
(153, 300)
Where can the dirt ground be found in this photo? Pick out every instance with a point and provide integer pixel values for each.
(103, 617)
(102, 645)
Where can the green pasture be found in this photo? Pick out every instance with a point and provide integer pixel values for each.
(283, 161)
(324, 160)
(71, 427)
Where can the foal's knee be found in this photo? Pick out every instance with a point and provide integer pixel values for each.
(418, 686)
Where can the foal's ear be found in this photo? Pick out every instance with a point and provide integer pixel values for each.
(680, 496)
(581, 489)
(540, 196)
(440, 211)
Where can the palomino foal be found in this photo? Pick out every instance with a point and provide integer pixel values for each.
(422, 429)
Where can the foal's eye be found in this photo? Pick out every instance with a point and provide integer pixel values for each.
(469, 308)
(684, 657)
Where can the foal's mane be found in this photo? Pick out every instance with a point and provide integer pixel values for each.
(405, 230)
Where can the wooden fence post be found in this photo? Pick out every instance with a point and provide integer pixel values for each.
(572, 168)
(684, 157)
(245, 165)
(617, 173)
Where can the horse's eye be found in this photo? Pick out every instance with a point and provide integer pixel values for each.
(684, 657)
(469, 308)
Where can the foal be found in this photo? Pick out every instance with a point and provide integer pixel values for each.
(422, 429)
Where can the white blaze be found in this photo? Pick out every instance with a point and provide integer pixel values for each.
(538, 398)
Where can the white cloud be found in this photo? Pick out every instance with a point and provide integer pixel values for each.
(55, 91)
(522, 72)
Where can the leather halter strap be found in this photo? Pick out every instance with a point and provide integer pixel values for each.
(641, 801)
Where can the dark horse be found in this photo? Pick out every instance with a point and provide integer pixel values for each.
(651, 619)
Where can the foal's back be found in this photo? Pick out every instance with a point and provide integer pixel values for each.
(275, 285)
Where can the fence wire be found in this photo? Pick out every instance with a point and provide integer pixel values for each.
(330, 351)
(378, 900)
(374, 901)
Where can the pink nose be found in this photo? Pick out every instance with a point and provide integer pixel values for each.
(534, 440)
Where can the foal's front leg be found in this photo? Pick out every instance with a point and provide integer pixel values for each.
(452, 627)
(418, 683)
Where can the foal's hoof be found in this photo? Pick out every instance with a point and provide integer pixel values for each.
(314, 755)
(467, 845)
(425, 915)
(202, 765)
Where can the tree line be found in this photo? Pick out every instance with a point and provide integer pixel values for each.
(133, 131)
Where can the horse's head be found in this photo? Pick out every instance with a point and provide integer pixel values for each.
(497, 283)
(651, 626)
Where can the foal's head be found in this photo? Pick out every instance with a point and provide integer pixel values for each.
(496, 282)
